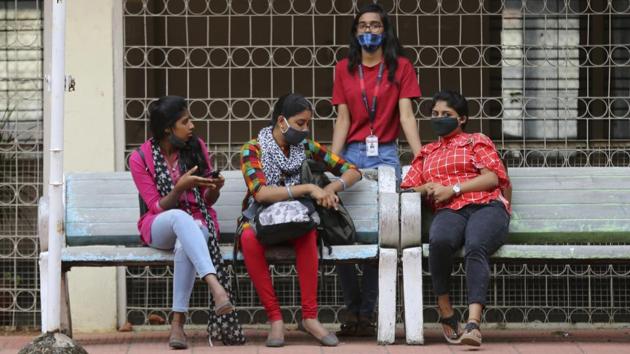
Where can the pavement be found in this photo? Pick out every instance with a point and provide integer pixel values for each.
(610, 341)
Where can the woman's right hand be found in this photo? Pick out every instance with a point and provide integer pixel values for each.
(324, 198)
(188, 181)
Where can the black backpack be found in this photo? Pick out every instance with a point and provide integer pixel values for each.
(336, 226)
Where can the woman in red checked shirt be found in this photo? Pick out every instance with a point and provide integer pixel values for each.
(462, 176)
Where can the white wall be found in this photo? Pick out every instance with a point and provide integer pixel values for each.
(89, 143)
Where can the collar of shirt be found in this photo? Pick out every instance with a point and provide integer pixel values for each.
(461, 139)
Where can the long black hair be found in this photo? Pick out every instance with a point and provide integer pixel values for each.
(163, 114)
(391, 47)
(289, 105)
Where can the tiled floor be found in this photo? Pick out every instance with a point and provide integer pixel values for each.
(495, 341)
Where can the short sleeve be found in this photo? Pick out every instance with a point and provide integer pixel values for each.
(339, 96)
(485, 155)
(413, 178)
(334, 163)
(409, 87)
(251, 167)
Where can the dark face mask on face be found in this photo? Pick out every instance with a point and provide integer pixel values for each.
(444, 125)
(370, 42)
(178, 143)
(293, 136)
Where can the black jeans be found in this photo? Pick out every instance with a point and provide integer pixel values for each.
(481, 229)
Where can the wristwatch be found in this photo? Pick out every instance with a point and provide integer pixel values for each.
(457, 189)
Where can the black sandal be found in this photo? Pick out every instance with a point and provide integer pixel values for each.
(453, 323)
(348, 329)
(469, 338)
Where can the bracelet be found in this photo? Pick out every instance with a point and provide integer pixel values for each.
(289, 192)
(343, 183)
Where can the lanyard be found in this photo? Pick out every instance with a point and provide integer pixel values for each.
(372, 110)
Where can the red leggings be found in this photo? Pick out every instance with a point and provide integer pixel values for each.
(306, 264)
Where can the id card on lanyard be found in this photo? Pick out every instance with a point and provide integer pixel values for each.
(371, 141)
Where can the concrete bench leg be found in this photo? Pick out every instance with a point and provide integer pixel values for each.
(43, 287)
(65, 320)
(388, 264)
(412, 290)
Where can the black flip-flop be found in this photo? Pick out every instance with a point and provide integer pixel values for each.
(453, 323)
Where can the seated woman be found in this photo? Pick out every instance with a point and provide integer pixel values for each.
(271, 166)
(172, 172)
(462, 176)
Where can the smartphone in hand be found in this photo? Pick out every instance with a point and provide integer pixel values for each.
(215, 174)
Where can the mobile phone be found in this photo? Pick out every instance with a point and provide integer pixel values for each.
(408, 190)
(215, 174)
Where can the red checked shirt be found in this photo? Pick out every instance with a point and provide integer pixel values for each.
(458, 159)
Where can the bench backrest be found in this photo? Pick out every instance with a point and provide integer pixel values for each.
(566, 205)
(102, 208)
(570, 205)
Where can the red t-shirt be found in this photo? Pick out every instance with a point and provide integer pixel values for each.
(347, 90)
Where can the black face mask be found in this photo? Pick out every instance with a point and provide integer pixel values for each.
(444, 125)
(293, 136)
(178, 143)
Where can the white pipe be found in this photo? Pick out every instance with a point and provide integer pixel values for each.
(55, 186)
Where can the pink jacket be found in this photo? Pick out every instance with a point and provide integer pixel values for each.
(147, 188)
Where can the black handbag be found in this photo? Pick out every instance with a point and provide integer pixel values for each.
(282, 221)
(336, 226)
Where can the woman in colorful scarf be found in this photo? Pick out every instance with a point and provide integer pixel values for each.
(463, 179)
(271, 165)
(173, 174)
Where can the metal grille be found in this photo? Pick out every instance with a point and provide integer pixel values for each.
(556, 293)
(547, 81)
(21, 160)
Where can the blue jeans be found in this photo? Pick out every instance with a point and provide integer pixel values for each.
(360, 299)
(176, 230)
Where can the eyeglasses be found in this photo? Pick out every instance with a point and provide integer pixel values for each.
(364, 27)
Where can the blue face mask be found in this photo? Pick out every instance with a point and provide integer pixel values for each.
(370, 42)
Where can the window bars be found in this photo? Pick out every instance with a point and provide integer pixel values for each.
(547, 80)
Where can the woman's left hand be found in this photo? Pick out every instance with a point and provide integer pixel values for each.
(441, 194)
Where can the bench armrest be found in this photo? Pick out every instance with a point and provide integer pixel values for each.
(410, 220)
(388, 208)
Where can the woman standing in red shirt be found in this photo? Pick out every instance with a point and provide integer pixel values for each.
(462, 176)
(373, 90)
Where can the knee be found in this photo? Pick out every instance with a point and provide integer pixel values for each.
(178, 215)
(475, 249)
(440, 245)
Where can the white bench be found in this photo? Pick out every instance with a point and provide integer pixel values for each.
(101, 212)
(558, 215)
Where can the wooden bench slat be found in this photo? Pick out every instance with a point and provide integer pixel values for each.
(577, 183)
(566, 171)
(111, 255)
(583, 199)
(557, 252)
(618, 211)
(554, 226)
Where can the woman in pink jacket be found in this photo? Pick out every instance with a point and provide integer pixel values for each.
(173, 174)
